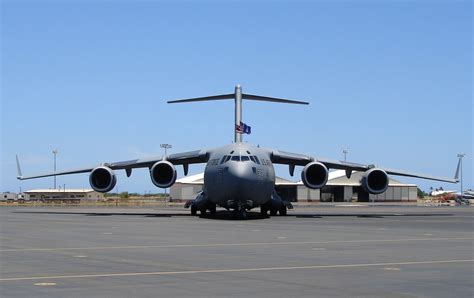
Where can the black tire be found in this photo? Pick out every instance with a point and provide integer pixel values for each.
(243, 214)
(273, 212)
(283, 210)
(203, 211)
(263, 212)
(212, 210)
(193, 210)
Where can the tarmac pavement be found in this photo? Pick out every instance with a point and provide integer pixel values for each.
(335, 251)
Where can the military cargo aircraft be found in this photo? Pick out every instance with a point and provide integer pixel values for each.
(238, 176)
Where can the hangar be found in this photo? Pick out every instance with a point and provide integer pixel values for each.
(339, 188)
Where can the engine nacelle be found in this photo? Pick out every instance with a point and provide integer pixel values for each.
(163, 174)
(102, 179)
(315, 175)
(375, 181)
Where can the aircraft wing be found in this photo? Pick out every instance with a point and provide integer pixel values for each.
(292, 159)
(185, 158)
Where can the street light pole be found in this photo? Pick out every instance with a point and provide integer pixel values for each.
(461, 156)
(166, 147)
(55, 152)
(345, 151)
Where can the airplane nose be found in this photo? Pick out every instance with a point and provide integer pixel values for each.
(241, 178)
(240, 170)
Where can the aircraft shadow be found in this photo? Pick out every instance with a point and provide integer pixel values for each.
(228, 215)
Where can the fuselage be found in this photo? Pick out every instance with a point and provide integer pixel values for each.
(239, 175)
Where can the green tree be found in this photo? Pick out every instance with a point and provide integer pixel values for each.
(421, 194)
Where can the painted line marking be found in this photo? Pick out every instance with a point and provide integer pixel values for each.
(233, 244)
(391, 269)
(158, 273)
(45, 284)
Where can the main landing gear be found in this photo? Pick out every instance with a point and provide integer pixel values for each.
(202, 209)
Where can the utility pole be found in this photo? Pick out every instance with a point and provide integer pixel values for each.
(461, 156)
(166, 147)
(55, 152)
(345, 151)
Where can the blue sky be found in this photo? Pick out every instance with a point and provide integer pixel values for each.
(391, 81)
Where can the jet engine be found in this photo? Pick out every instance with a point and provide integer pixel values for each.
(375, 181)
(315, 175)
(163, 174)
(102, 179)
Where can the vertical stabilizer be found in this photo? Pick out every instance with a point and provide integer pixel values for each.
(456, 175)
(18, 168)
(238, 113)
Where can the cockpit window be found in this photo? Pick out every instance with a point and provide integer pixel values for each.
(223, 159)
(236, 158)
(244, 158)
(256, 159)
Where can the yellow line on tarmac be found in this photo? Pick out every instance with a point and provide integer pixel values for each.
(232, 244)
(158, 273)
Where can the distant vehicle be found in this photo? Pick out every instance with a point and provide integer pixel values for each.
(238, 176)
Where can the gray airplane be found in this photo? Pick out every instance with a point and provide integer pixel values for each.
(238, 176)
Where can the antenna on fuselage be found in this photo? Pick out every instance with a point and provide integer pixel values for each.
(238, 96)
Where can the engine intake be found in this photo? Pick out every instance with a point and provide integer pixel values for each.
(102, 179)
(163, 174)
(315, 175)
(375, 181)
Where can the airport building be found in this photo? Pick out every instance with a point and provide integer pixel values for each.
(63, 195)
(339, 188)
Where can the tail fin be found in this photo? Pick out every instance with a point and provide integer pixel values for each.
(238, 96)
(18, 168)
(458, 168)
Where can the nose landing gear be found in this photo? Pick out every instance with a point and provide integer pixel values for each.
(240, 213)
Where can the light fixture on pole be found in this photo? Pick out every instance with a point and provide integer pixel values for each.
(55, 152)
(461, 156)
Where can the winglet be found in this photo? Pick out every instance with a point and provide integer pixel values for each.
(456, 175)
(18, 168)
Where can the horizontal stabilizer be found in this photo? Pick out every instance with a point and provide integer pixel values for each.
(273, 99)
(244, 96)
(206, 98)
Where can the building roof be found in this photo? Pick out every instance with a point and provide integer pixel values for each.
(59, 190)
(336, 178)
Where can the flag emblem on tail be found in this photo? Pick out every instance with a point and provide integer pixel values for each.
(243, 128)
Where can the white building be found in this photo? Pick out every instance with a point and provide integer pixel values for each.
(66, 195)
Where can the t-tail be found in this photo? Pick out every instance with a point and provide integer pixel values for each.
(238, 96)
